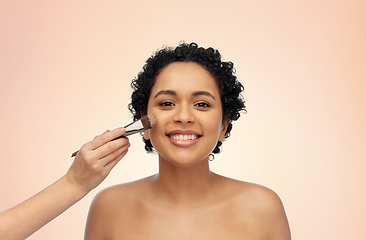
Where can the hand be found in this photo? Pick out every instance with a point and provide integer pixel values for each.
(96, 159)
(91, 166)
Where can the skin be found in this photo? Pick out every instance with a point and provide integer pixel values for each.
(185, 200)
(90, 167)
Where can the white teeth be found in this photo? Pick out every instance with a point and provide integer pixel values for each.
(183, 137)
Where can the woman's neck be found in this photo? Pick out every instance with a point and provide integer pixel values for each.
(184, 184)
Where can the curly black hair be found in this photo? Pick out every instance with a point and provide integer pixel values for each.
(223, 72)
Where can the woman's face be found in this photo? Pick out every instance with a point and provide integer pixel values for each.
(186, 102)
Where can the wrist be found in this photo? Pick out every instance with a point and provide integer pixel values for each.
(75, 187)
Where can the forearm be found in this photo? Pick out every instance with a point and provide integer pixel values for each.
(24, 219)
(91, 166)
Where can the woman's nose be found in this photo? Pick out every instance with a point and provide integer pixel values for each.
(184, 114)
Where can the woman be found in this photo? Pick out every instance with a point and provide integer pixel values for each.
(195, 97)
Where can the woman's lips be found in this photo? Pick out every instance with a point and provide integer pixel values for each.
(183, 138)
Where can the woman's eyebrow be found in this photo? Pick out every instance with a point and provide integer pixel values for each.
(166, 92)
(205, 93)
(174, 93)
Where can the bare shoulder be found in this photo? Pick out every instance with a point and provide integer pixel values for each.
(259, 206)
(110, 205)
(125, 191)
(263, 198)
(112, 196)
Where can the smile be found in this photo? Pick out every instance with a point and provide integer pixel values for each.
(182, 137)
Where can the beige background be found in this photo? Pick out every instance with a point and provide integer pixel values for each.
(66, 66)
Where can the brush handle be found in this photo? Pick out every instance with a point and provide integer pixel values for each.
(128, 133)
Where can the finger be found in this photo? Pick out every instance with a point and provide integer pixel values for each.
(106, 137)
(114, 161)
(111, 164)
(112, 150)
(102, 134)
(110, 147)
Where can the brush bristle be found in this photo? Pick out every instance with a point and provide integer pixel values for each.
(148, 121)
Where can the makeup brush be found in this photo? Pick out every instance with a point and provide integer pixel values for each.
(144, 123)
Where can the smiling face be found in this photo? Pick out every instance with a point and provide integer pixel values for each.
(186, 102)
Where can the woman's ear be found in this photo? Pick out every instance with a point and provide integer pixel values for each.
(225, 125)
(146, 134)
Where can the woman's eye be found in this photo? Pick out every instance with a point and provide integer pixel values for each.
(202, 104)
(166, 104)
